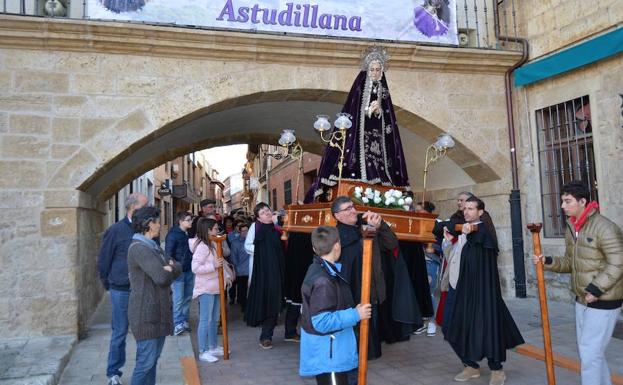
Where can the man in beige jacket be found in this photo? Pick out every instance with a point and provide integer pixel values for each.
(594, 258)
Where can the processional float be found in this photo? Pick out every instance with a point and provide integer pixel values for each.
(407, 225)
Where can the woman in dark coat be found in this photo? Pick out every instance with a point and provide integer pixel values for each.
(150, 311)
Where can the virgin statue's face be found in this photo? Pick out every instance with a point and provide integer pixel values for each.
(374, 71)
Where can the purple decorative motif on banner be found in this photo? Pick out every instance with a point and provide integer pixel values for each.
(429, 18)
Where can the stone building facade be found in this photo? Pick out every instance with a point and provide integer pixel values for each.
(189, 179)
(597, 87)
(281, 175)
(81, 115)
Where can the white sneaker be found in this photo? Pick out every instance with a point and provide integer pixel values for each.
(207, 357)
(114, 380)
(431, 330)
(217, 351)
(420, 330)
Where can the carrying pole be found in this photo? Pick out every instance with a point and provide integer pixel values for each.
(535, 229)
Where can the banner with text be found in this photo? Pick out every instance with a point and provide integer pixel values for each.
(429, 21)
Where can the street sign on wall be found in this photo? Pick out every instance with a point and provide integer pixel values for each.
(428, 21)
(164, 191)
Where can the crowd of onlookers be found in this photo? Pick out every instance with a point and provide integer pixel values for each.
(164, 281)
(452, 282)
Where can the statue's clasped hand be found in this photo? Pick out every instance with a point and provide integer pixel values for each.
(374, 108)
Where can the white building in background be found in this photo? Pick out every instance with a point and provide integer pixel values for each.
(115, 206)
(235, 183)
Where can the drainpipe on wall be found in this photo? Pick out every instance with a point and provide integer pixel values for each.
(515, 195)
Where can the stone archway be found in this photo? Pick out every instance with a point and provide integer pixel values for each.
(257, 118)
(86, 106)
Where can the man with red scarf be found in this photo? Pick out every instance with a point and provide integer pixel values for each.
(594, 258)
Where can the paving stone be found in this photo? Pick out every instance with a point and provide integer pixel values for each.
(88, 362)
(420, 361)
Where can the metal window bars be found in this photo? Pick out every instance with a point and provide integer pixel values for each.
(565, 142)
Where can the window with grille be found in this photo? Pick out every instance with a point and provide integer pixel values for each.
(287, 192)
(274, 196)
(565, 139)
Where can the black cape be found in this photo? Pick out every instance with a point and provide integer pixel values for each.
(299, 256)
(416, 266)
(481, 325)
(266, 291)
(351, 259)
(400, 313)
(351, 256)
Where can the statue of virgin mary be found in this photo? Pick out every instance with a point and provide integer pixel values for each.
(373, 151)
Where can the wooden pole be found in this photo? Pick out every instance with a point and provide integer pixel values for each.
(221, 287)
(535, 229)
(364, 326)
(459, 227)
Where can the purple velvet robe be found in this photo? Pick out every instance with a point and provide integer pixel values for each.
(373, 151)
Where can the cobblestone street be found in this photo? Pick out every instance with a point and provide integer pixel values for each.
(420, 361)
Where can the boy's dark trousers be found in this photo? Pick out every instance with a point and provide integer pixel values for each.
(241, 285)
(334, 378)
(231, 293)
(293, 312)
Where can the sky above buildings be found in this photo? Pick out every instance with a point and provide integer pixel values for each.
(227, 160)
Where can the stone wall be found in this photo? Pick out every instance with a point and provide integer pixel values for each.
(69, 112)
(552, 24)
(495, 195)
(603, 84)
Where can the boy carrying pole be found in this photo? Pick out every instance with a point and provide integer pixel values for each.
(328, 343)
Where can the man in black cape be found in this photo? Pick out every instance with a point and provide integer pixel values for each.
(266, 289)
(385, 242)
(481, 325)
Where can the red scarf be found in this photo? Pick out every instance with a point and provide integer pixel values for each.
(581, 220)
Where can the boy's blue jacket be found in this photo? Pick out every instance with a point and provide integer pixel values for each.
(238, 256)
(176, 247)
(328, 341)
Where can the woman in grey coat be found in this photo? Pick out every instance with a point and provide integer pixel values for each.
(150, 309)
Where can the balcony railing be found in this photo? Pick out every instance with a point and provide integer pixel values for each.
(485, 24)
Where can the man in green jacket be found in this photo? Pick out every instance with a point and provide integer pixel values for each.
(594, 258)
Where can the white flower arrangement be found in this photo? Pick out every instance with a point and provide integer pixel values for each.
(392, 199)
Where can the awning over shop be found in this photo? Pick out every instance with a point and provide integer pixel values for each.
(590, 51)
(185, 193)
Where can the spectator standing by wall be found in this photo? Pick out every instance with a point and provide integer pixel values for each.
(112, 267)
(150, 308)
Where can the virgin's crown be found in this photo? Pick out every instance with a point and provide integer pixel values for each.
(372, 54)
